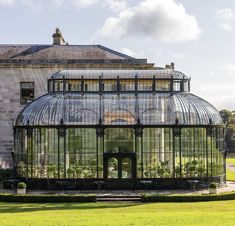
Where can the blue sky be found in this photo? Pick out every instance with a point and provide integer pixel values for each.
(199, 36)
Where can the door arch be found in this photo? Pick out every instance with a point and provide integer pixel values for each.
(121, 166)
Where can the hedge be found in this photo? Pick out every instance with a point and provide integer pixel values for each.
(6, 174)
(46, 198)
(188, 198)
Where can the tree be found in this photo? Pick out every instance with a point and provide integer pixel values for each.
(226, 116)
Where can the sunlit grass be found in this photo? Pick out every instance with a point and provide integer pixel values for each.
(202, 213)
(230, 175)
(231, 158)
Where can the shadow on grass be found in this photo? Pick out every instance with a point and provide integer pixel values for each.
(31, 207)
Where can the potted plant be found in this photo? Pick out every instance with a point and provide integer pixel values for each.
(21, 188)
(212, 188)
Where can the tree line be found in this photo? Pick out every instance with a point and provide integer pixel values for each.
(229, 120)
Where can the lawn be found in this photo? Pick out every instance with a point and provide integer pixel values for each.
(131, 214)
(231, 158)
(230, 175)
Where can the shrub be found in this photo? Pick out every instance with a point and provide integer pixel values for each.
(21, 185)
(212, 185)
(188, 198)
(6, 174)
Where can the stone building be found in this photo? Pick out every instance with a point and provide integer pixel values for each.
(24, 70)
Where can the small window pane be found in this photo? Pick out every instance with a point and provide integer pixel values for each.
(91, 85)
(110, 85)
(75, 85)
(176, 86)
(127, 85)
(162, 85)
(186, 86)
(145, 85)
(26, 92)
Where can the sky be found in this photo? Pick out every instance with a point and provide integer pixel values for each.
(197, 35)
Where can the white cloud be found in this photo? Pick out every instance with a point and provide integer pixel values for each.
(84, 3)
(58, 3)
(115, 5)
(221, 95)
(225, 18)
(7, 2)
(160, 20)
(224, 14)
(229, 70)
(219, 88)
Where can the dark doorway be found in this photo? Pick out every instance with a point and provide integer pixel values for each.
(120, 166)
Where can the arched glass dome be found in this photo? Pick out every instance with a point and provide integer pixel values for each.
(121, 129)
(124, 109)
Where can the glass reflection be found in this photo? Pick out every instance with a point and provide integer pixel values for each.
(126, 168)
(113, 168)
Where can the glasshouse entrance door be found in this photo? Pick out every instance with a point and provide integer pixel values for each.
(121, 166)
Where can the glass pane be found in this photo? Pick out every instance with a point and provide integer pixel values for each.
(145, 85)
(81, 156)
(59, 85)
(91, 85)
(127, 85)
(126, 168)
(113, 168)
(119, 109)
(27, 92)
(110, 85)
(176, 86)
(119, 140)
(162, 85)
(75, 85)
(186, 86)
(157, 153)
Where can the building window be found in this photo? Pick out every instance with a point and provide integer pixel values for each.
(26, 92)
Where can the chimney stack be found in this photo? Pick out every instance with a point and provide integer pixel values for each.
(58, 37)
(170, 66)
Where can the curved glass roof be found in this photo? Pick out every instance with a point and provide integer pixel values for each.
(109, 74)
(114, 109)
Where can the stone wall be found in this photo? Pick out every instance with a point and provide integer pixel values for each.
(10, 106)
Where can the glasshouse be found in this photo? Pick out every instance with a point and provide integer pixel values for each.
(124, 129)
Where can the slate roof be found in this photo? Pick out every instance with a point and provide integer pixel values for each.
(59, 52)
(63, 54)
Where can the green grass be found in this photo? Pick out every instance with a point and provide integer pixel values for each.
(230, 175)
(131, 214)
(231, 158)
